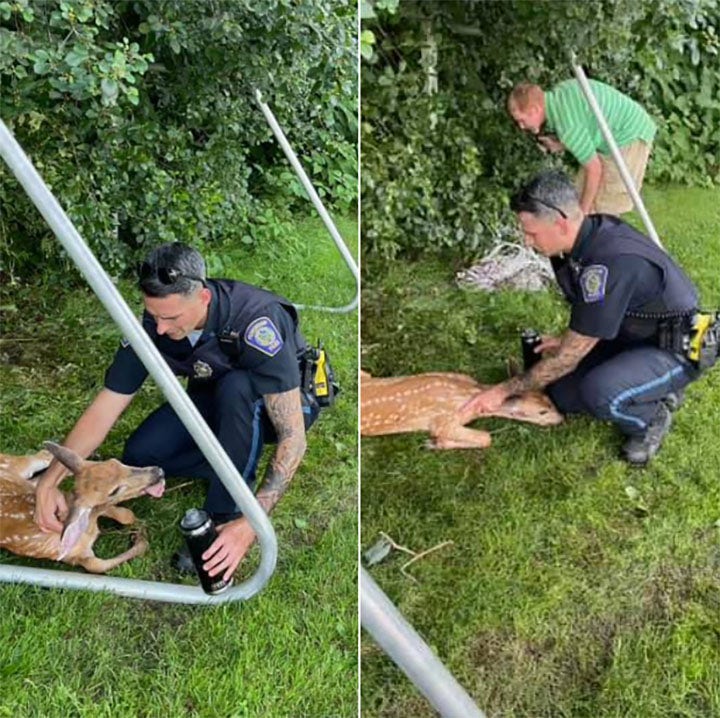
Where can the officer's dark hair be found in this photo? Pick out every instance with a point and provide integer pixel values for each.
(172, 268)
(546, 195)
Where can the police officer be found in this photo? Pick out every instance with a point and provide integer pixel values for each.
(620, 286)
(239, 346)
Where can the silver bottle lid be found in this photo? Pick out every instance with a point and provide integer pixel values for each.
(194, 519)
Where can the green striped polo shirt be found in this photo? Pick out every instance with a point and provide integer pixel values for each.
(568, 115)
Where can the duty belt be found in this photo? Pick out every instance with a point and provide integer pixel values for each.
(694, 335)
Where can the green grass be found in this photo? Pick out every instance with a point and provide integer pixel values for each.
(560, 596)
(291, 650)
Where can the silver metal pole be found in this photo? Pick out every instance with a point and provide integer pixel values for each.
(315, 199)
(382, 620)
(619, 161)
(121, 313)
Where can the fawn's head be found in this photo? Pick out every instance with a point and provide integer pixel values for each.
(535, 408)
(101, 483)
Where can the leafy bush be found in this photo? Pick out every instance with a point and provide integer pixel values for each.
(141, 117)
(437, 167)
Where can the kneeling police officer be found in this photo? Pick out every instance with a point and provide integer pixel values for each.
(239, 345)
(623, 357)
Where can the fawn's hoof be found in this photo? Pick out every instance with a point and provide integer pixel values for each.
(140, 545)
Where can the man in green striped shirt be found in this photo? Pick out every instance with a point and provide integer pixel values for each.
(561, 119)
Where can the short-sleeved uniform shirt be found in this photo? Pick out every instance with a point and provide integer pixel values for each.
(568, 115)
(604, 287)
(271, 344)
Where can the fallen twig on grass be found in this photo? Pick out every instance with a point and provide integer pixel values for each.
(179, 486)
(382, 548)
(422, 554)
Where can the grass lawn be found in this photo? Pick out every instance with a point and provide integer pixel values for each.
(576, 586)
(289, 651)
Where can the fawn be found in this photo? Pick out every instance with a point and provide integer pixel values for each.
(99, 486)
(430, 402)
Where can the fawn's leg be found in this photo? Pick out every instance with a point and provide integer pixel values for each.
(124, 516)
(120, 514)
(456, 436)
(93, 564)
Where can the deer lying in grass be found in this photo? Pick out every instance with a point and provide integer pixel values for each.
(429, 402)
(99, 486)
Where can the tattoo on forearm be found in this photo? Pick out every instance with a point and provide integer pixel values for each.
(285, 412)
(573, 348)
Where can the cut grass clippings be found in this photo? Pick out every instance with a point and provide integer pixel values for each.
(576, 586)
(289, 651)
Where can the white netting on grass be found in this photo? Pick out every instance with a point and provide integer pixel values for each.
(508, 266)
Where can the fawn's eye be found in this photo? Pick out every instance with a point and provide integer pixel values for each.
(116, 491)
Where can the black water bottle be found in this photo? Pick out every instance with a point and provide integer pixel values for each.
(529, 339)
(199, 531)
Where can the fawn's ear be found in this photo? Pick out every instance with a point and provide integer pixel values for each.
(65, 456)
(75, 526)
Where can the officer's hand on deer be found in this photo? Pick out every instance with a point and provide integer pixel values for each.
(485, 401)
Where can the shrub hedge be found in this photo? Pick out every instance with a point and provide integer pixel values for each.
(140, 115)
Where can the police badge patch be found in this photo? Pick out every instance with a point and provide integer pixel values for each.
(593, 281)
(264, 336)
(202, 370)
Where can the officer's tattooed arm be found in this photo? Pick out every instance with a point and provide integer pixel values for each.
(573, 348)
(285, 412)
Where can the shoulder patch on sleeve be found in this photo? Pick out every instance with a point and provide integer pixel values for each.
(592, 282)
(264, 336)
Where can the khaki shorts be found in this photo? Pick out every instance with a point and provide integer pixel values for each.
(612, 196)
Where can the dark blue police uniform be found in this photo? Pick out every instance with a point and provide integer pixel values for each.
(620, 284)
(227, 388)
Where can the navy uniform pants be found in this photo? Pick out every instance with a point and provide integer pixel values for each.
(621, 384)
(234, 413)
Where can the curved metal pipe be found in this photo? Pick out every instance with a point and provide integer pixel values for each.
(121, 313)
(319, 206)
(382, 620)
(619, 161)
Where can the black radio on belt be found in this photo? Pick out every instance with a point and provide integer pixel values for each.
(317, 377)
(703, 344)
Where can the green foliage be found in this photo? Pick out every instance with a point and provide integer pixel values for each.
(680, 83)
(437, 167)
(141, 117)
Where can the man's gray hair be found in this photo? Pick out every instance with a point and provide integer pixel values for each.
(546, 195)
(185, 266)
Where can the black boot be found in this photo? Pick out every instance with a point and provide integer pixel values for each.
(638, 450)
(182, 561)
(674, 399)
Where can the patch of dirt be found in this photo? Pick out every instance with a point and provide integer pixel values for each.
(669, 590)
